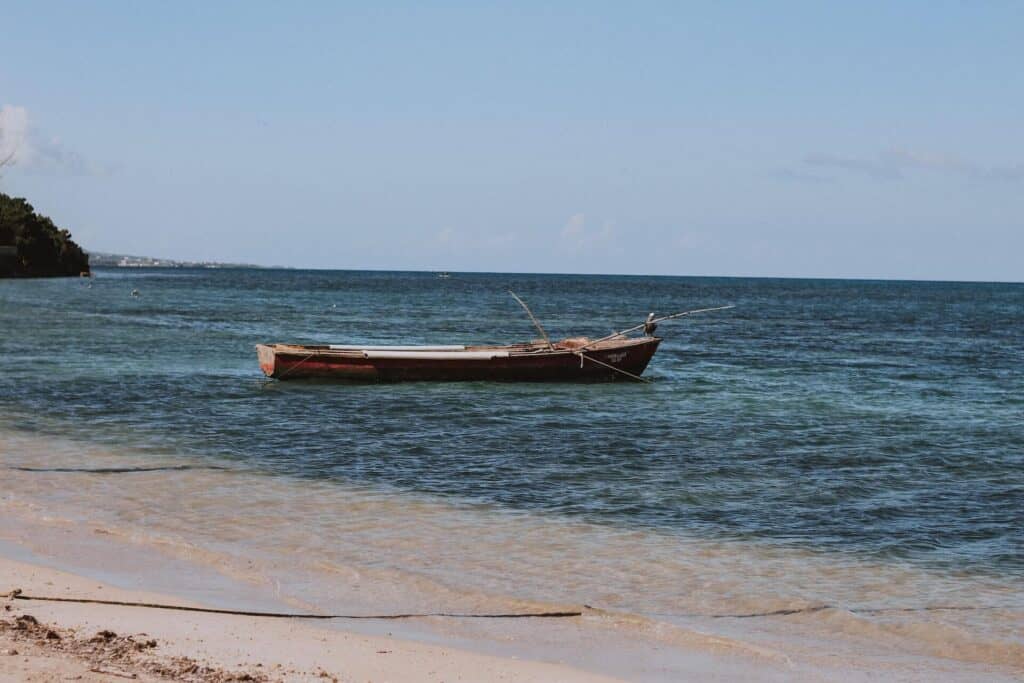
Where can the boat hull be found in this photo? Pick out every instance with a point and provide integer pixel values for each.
(607, 363)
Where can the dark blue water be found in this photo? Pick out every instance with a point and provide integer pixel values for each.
(875, 418)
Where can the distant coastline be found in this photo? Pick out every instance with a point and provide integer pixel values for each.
(107, 260)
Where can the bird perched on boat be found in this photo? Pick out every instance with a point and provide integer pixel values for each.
(649, 325)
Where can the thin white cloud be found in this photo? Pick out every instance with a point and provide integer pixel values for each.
(950, 164)
(575, 228)
(879, 169)
(14, 148)
(800, 176)
(445, 235)
(577, 235)
(689, 239)
(24, 147)
(894, 164)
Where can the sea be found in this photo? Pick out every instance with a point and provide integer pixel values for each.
(831, 467)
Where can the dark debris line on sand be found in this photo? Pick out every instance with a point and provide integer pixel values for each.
(110, 654)
(17, 594)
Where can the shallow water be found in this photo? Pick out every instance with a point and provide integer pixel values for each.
(852, 444)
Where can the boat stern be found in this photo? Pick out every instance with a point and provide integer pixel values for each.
(267, 358)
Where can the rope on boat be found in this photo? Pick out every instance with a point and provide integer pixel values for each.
(296, 365)
(16, 594)
(611, 367)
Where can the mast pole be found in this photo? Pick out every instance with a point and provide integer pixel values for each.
(536, 322)
(655, 320)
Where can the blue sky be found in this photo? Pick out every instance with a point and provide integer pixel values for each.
(782, 139)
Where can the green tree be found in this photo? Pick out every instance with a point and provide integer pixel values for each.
(41, 248)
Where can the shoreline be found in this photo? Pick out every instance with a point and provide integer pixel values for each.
(167, 532)
(56, 641)
(52, 641)
(428, 649)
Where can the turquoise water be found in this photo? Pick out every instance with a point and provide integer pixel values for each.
(884, 420)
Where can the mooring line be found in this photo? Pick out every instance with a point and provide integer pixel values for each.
(313, 353)
(638, 378)
(17, 594)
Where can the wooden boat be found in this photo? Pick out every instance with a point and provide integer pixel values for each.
(617, 356)
(567, 360)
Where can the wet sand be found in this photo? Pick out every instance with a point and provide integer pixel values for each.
(42, 641)
(663, 609)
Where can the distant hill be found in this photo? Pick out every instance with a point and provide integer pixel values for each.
(101, 259)
(32, 246)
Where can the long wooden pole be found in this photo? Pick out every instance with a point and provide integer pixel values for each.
(533, 318)
(655, 321)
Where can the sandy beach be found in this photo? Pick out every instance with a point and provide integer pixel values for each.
(43, 640)
(51, 551)
(50, 641)
(90, 522)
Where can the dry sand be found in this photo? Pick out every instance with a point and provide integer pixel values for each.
(50, 641)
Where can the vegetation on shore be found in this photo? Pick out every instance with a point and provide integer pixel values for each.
(32, 246)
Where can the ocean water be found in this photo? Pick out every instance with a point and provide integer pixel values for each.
(856, 444)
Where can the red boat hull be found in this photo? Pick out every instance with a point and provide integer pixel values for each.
(609, 361)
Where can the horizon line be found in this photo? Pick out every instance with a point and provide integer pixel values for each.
(225, 265)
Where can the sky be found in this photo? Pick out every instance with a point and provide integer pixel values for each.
(792, 139)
